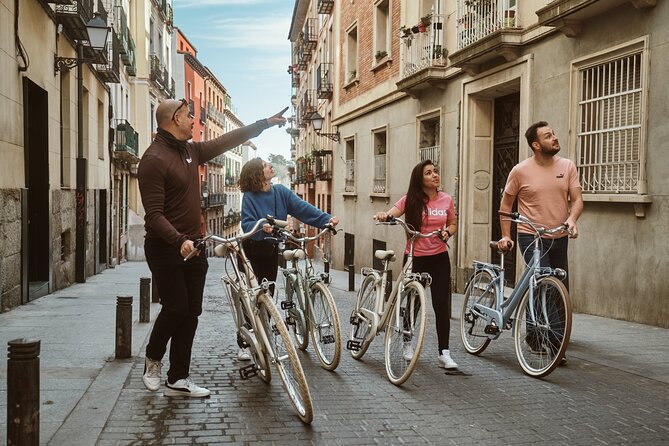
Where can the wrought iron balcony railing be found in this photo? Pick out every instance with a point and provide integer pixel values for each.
(477, 19)
(324, 80)
(423, 47)
(126, 141)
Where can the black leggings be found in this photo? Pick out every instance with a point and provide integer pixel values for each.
(264, 266)
(439, 268)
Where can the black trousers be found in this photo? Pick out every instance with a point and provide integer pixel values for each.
(553, 252)
(264, 259)
(180, 286)
(439, 268)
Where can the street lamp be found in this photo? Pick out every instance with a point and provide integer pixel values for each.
(98, 31)
(317, 122)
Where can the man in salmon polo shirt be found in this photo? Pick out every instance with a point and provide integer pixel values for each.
(548, 192)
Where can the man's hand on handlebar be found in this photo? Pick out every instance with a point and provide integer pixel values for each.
(190, 249)
(572, 229)
(505, 244)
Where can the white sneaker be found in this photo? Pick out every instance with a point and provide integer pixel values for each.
(407, 351)
(185, 387)
(445, 360)
(244, 354)
(151, 375)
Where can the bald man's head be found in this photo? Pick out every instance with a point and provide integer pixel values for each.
(166, 110)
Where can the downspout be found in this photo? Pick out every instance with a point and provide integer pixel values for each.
(20, 50)
(456, 191)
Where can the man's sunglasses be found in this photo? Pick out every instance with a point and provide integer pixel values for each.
(183, 102)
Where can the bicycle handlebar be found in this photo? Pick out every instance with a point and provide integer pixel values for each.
(289, 235)
(199, 243)
(539, 228)
(395, 220)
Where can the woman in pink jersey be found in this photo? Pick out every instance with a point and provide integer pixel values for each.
(428, 209)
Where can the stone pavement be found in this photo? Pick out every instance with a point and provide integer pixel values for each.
(613, 390)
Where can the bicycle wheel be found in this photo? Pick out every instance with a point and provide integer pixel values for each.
(405, 333)
(360, 326)
(285, 359)
(324, 324)
(481, 290)
(299, 328)
(542, 327)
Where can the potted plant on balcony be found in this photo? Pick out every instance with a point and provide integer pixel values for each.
(380, 55)
(424, 23)
(405, 32)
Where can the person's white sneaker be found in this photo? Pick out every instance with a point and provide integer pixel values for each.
(244, 354)
(445, 360)
(151, 375)
(407, 351)
(185, 387)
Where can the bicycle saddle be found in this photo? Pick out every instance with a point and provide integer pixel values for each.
(383, 255)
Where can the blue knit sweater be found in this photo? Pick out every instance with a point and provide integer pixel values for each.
(279, 202)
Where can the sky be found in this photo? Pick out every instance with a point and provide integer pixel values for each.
(245, 44)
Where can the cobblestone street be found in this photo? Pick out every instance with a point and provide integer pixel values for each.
(490, 399)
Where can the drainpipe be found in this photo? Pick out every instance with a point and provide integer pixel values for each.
(82, 174)
(456, 191)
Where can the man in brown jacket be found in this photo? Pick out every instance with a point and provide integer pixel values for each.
(170, 189)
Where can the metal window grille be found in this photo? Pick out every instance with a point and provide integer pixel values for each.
(429, 153)
(349, 185)
(609, 134)
(380, 174)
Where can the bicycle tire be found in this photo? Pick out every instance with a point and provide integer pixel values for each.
(366, 298)
(285, 358)
(409, 313)
(481, 290)
(299, 328)
(542, 340)
(324, 326)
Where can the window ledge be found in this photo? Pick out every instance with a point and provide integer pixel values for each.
(382, 62)
(617, 198)
(353, 195)
(352, 82)
(379, 196)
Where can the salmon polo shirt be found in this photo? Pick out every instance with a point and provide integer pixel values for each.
(440, 211)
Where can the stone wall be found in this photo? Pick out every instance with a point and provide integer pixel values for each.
(63, 235)
(10, 249)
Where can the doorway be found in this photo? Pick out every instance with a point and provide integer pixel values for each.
(505, 156)
(36, 261)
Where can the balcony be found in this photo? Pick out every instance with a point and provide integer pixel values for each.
(324, 80)
(203, 115)
(488, 32)
(156, 73)
(73, 18)
(323, 162)
(379, 186)
(110, 72)
(307, 105)
(126, 139)
(349, 179)
(429, 153)
(325, 6)
(131, 69)
(423, 55)
(310, 34)
(215, 200)
(568, 15)
(123, 33)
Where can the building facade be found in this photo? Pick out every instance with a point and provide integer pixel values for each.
(458, 82)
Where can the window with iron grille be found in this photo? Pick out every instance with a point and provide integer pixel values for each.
(610, 134)
(349, 179)
(380, 144)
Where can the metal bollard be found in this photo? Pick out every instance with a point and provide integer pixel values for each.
(23, 392)
(351, 278)
(144, 300)
(155, 297)
(123, 326)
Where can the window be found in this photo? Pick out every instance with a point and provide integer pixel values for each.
(380, 143)
(351, 54)
(428, 140)
(349, 180)
(382, 29)
(610, 152)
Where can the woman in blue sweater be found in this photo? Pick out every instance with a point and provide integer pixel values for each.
(262, 198)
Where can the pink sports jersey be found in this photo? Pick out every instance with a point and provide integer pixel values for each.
(440, 211)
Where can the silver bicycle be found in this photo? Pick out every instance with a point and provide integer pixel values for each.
(309, 305)
(403, 316)
(260, 326)
(538, 310)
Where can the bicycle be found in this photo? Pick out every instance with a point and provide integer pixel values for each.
(259, 324)
(403, 316)
(538, 309)
(309, 306)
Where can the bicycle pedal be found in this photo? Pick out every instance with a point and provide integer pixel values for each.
(353, 346)
(290, 320)
(354, 320)
(249, 371)
(287, 305)
(327, 339)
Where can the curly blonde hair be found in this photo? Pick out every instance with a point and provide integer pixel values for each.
(252, 176)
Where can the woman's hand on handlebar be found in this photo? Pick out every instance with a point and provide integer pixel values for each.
(381, 216)
(334, 221)
(505, 244)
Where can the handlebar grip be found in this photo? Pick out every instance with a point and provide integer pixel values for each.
(513, 215)
(197, 247)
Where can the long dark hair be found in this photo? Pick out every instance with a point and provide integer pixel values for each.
(417, 199)
(252, 176)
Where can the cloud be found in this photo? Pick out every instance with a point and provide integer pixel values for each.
(207, 3)
(253, 32)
